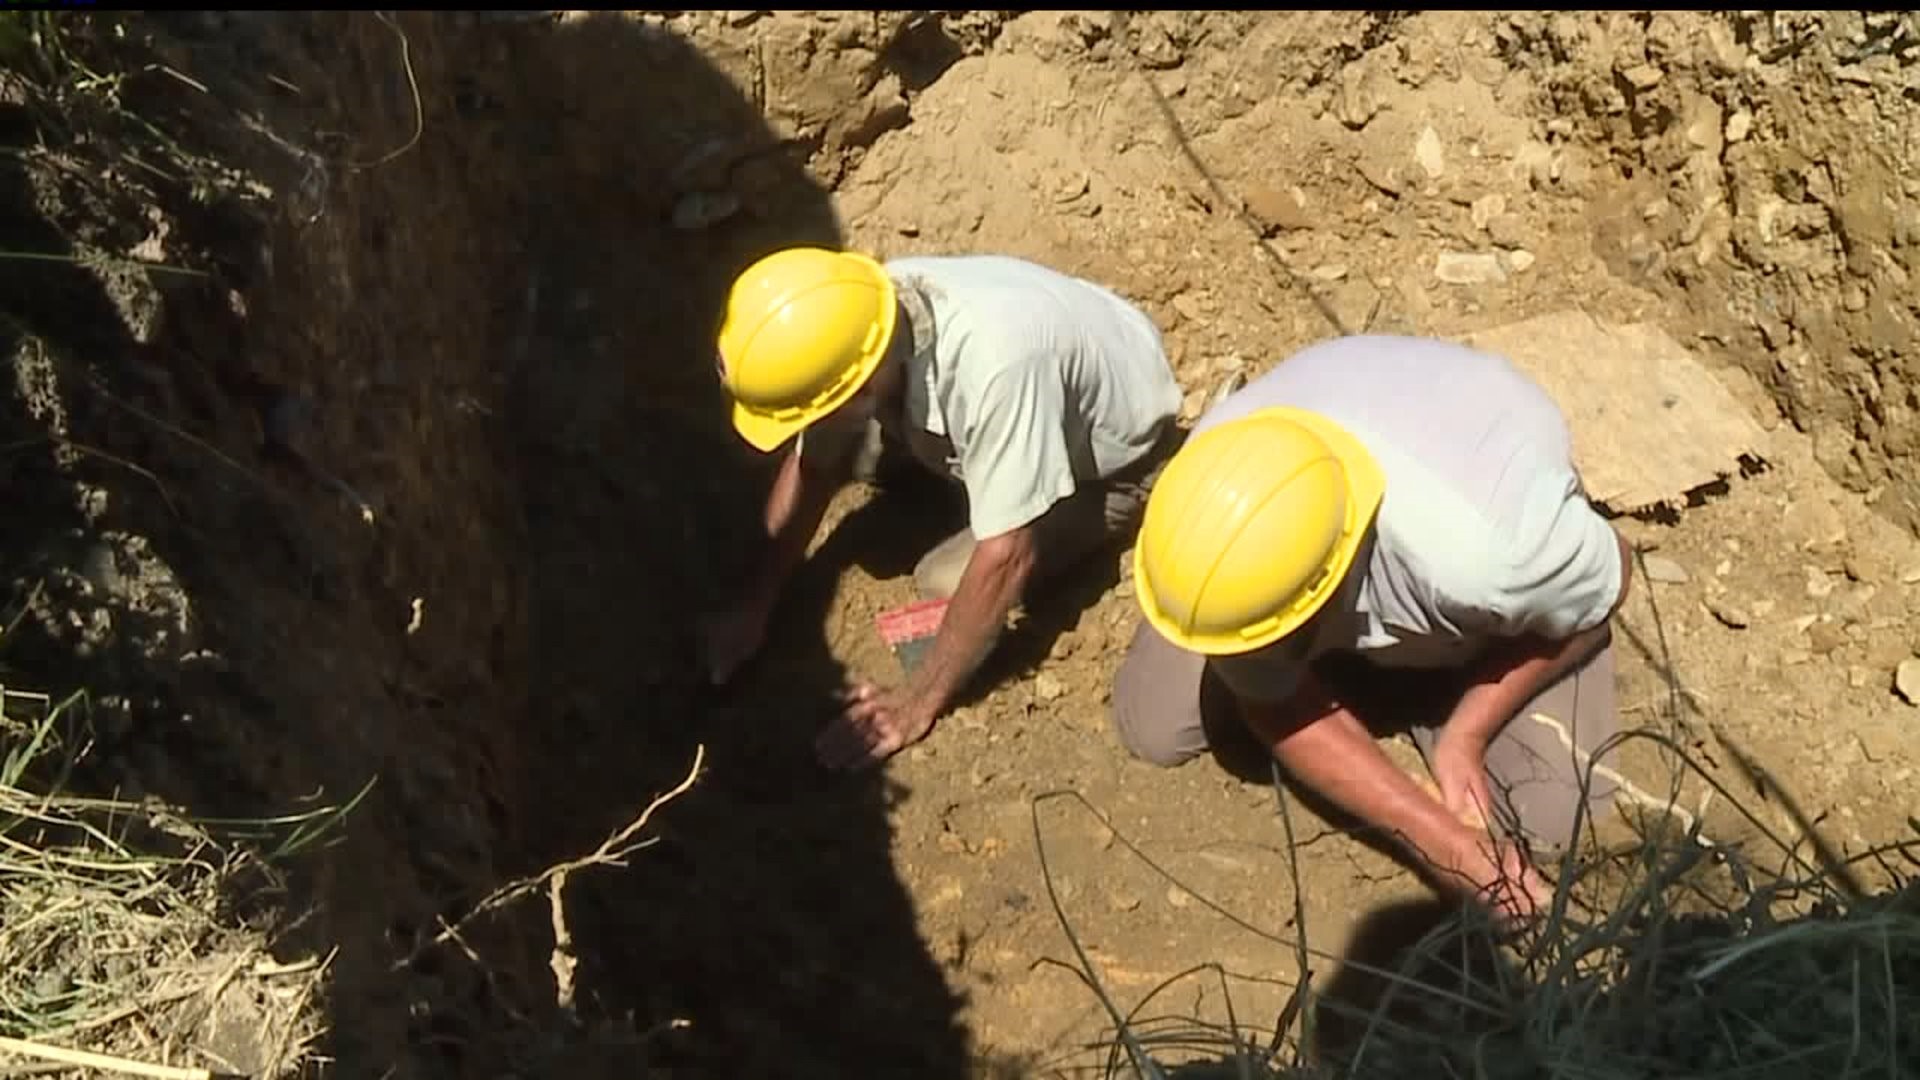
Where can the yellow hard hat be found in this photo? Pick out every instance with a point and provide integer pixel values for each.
(1251, 527)
(805, 328)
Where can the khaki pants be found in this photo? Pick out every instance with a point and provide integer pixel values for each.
(1075, 527)
(1166, 703)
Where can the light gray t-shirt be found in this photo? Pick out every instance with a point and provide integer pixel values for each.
(1484, 532)
(1033, 382)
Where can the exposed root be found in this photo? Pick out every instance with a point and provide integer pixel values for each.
(613, 851)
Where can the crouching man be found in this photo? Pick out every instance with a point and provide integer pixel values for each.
(1381, 534)
(1047, 398)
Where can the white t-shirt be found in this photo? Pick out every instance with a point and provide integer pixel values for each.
(1484, 531)
(1034, 382)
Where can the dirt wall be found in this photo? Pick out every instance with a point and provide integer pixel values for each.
(1753, 167)
(408, 472)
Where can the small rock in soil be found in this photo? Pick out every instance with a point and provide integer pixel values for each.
(1456, 268)
(1507, 230)
(1906, 680)
(1825, 637)
(1729, 613)
(1666, 571)
(1487, 207)
(1357, 303)
(1429, 154)
(1643, 76)
(1382, 174)
(1706, 126)
(1739, 125)
(1521, 260)
(1048, 688)
(1359, 97)
(1275, 210)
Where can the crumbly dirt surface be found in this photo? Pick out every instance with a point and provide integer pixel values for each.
(425, 480)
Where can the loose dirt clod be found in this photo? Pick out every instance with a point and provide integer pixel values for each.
(1906, 680)
(1666, 571)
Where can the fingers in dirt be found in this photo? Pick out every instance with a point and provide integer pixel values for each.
(845, 744)
(853, 692)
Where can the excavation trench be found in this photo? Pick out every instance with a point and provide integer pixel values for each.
(433, 476)
(402, 461)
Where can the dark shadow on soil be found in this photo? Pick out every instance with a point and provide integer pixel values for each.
(1402, 959)
(769, 916)
(442, 490)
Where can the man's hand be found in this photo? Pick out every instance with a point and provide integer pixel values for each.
(1459, 765)
(1495, 874)
(874, 725)
(1470, 861)
(729, 638)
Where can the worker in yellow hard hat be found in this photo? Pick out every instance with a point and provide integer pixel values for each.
(1048, 399)
(1388, 533)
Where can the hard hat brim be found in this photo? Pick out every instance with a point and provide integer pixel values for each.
(765, 433)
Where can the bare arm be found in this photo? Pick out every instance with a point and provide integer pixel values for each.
(1323, 745)
(992, 583)
(795, 504)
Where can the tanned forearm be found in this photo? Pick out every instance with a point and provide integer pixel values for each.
(795, 504)
(1323, 745)
(995, 577)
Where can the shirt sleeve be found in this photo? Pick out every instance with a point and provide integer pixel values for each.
(1013, 452)
(1561, 573)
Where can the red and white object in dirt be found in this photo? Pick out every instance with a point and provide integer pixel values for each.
(908, 631)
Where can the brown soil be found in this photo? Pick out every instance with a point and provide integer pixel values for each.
(422, 480)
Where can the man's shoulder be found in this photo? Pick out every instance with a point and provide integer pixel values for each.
(977, 269)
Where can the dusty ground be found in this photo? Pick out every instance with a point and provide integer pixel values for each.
(477, 306)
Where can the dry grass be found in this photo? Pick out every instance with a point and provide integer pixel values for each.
(119, 933)
(116, 928)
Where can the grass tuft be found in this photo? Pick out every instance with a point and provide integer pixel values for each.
(116, 928)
